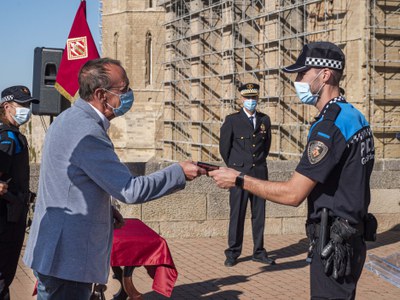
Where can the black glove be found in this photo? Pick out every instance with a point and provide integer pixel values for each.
(328, 249)
(328, 264)
(349, 256)
(336, 255)
(346, 231)
(339, 261)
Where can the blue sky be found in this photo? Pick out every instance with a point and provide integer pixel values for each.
(26, 24)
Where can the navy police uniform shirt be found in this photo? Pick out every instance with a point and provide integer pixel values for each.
(14, 158)
(340, 157)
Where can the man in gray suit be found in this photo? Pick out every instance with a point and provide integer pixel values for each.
(71, 235)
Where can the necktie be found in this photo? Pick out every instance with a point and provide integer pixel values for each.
(251, 121)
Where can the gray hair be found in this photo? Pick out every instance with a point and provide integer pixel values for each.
(94, 74)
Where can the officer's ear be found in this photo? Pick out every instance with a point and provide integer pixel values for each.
(327, 75)
(6, 105)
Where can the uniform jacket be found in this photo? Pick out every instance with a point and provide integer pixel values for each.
(14, 158)
(71, 235)
(243, 147)
(14, 164)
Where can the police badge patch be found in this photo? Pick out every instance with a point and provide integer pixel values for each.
(316, 151)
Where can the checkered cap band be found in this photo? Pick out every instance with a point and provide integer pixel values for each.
(7, 98)
(324, 63)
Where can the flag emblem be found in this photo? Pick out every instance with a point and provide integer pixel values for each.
(77, 48)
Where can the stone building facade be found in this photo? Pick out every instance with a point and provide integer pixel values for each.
(133, 33)
(185, 59)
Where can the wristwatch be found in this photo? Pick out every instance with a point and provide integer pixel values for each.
(240, 180)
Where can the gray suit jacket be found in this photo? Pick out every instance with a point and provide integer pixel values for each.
(71, 234)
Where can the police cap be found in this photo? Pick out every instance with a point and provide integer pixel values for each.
(17, 93)
(318, 55)
(249, 89)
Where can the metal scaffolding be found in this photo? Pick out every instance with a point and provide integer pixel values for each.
(383, 72)
(213, 46)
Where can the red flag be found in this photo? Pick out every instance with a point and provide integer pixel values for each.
(79, 49)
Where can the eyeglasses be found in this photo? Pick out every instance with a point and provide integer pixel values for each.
(125, 90)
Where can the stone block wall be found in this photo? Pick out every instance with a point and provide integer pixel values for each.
(202, 209)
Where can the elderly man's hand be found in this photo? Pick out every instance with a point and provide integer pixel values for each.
(191, 170)
(118, 218)
(224, 177)
(3, 187)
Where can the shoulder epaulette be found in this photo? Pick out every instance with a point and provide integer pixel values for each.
(332, 112)
(9, 137)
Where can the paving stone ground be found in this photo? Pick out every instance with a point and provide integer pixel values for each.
(202, 274)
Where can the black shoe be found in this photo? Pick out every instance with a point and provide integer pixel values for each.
(230, 262)
(264, 259)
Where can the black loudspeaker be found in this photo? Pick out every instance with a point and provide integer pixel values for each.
(45, 66)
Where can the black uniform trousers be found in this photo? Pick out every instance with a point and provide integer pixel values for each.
(326, 287)
(11, 240)
(238, 199)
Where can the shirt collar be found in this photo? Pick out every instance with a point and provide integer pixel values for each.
(9, 126)
(103, 118)
(248, 115)
(326, 107)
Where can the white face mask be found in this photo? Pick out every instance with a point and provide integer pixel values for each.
(22, 115)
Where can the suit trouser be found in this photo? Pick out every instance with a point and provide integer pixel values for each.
(11, 239)
(53, 288)
(238, 199)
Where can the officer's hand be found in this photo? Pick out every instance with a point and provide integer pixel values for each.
(191, 170)
(3, 187)
(224, 177)
(118, 218)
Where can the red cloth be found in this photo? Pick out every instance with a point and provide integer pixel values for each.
(34, 293)
(80, 48)
(136, 244)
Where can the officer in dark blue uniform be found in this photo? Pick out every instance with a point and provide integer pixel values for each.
(245, 140)
(14, 169)
(334, 173)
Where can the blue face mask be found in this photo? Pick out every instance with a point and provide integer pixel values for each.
(126, 102)
(250, 104)
(303, 90)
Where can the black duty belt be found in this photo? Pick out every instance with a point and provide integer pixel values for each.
(317, 227)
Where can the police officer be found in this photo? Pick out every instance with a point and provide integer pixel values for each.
(14, 170)
(334, 173)
(245, 140)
